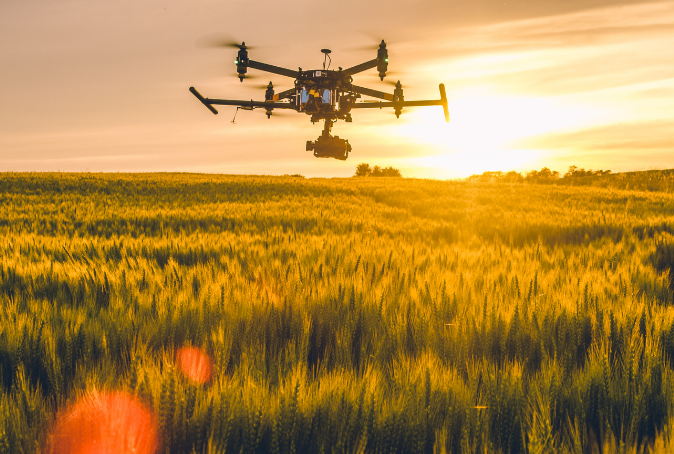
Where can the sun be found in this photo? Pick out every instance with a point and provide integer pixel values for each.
(484, 132)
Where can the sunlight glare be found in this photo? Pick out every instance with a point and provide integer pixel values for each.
(195, 364)
(484, 127)
(105, 423)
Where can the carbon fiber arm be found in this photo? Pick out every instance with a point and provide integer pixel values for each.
(372, 93)
(284, 94)
(431, 102)
(272, 69)
(379, 104)
(360, 68)
(209, 103)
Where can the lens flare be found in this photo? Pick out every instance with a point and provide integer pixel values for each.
(105, 423)
(195, 364)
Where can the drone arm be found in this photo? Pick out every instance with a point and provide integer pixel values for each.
(205, 101)
(360, 68)
(372, 105)
(251, 103)
(430, 102)
(284, 94)
(272, 69)
(372, 93)
(379, 104)
(230, 102)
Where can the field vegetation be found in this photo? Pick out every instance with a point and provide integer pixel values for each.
(348, 315)
(648, 180)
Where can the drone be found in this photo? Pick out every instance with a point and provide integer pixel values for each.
(324, 94)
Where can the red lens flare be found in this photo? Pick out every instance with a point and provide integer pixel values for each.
(105, 423)
(195, 364)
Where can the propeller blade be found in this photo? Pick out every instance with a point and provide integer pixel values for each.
(249, 76)
(282, 112)
(391, 79)
(368, 47)
(259, 86)
(219, 40)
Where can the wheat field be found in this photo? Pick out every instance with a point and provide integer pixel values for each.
(344, 315)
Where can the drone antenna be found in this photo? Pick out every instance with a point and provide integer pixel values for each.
(236, 112)
(327, 57)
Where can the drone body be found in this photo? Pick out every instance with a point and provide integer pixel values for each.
(324, 95)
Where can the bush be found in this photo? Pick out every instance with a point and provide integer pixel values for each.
(364, 170)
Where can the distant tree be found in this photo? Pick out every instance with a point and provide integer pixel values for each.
(513, 177)
(363, 170)
(390, 172)
(575, 172)
(571, 172)
(544, 175)
(495, 176)
(486, 177)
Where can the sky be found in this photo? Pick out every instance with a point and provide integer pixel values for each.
(93, 85)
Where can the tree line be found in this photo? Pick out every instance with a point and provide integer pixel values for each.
(364, 170)
(645, 180)
(537, 176)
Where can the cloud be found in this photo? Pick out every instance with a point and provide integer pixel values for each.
(569, 53)
(589, 26)
(633, 137)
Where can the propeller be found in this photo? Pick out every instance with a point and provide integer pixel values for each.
(393, 38)
(260, 86)
(368, 47)
(391, 79)
(249, 76)
(282, 113)
(219, 40)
